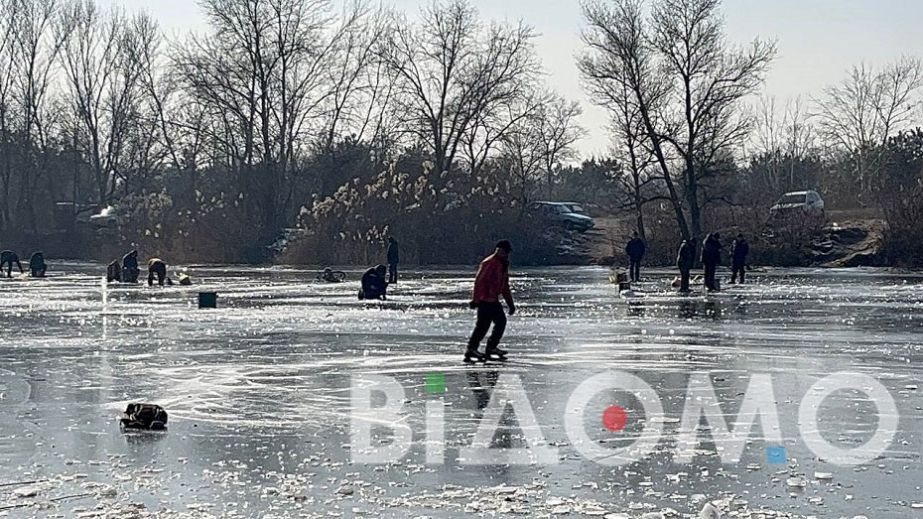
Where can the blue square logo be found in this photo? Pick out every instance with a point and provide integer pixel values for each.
(775, 455)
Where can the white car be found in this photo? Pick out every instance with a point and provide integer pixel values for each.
(807, 202)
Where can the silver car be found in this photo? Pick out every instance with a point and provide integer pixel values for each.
(807, 202)
(566, 214)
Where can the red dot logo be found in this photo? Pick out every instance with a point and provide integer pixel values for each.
(615, 418)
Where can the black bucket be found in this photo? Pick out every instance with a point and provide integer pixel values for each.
(208, 300)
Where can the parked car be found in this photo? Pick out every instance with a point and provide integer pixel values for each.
(807, 202)
(569, 215)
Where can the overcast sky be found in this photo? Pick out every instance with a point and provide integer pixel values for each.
(818, 39)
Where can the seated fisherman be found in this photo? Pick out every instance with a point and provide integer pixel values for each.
(374, 283)
(114, 272)
(37, 265)
(130, 270)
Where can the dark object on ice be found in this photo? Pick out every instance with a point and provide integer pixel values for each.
(185, 280)
(130, 270)
(739, 254)
(7, 258)
(208, 300)
(394, 257)
(37, 265)
(156, 267)
(331, 276)
(491, 283)
(711, 259)
(374, 285)
(144, 417)
(114, 272)
(685, 260)
(635, 251)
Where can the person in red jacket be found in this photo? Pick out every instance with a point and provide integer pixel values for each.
(492, 283)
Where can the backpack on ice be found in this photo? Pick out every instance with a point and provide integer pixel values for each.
(145, 417)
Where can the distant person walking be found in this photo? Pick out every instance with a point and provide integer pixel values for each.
(491, 283)
(685, 260)
(394, 257)
(635, 251)
(711, 259)
(739, 254)
(7, 259)
(37, 265)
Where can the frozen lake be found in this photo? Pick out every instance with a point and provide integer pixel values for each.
(259, 391)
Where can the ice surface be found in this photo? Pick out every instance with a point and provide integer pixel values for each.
(258, 393)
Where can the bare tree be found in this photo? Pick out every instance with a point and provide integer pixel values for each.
(685, 81)
(868, 108)
(37, 47)
(621, 66)
(558, 131)
(102, 83)
(455, 74)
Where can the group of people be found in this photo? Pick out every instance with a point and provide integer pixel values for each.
(37, 265)
(129, 272)
(711, 258)
(712, 251)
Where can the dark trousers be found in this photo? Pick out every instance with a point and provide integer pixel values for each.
(488, 313)
(711, 270)
(39, 272)
(9, 267)
(159, 271)
(738, 268)
(634, 269)
(684, 280)
(392, 273)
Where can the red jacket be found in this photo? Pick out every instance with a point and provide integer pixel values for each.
(492, 281)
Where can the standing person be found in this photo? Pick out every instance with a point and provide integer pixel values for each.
(491, 283)
(156, 267)
(685, 260)
(739, 258)
(394, 257)
(635, 250)
(711, 259)
(130, 269)
(37, 266)
(7, 258)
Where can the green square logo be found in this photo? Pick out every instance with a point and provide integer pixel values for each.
(435, 383)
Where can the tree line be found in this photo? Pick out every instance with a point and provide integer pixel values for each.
(354, 121)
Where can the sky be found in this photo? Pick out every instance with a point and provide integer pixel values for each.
(818, 40)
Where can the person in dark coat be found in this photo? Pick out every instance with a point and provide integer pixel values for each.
(114, 272)
(130, 269)
(711, 259)
(685, 260)
(394, 257)
(37, 266)
(156, 268)
(7, 259)
(739, 254)
(374, 284)
(635, 251)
